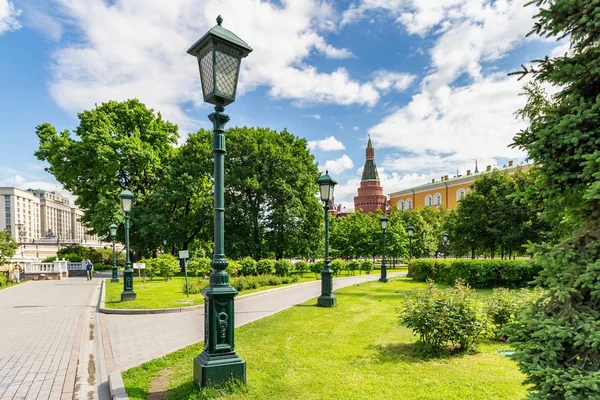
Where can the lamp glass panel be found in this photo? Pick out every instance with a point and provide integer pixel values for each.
(324, 188)
(113, 231)
(226, 73)
(126, 204)
(410, 232)
(384, 224)
(206, 73)
(331, 188)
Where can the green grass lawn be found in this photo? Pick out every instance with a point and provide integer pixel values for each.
(9, 284)
(356, 350)
(171, 294)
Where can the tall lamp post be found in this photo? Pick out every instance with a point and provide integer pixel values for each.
(384, 220)
(411, 232)
(113, 233)
(128, 294)
(326, 187)
(219, 53)
(445, 241)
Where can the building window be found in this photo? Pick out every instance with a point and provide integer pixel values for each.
(428, 200)
(409, 204)
(400, 205)
(438, 199)
(460, 194)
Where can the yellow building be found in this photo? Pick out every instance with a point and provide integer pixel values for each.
(445, 192)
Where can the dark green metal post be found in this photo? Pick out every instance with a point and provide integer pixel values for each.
(115, 277)
(444, 249)
(383, 277)
(128, 294)
(187, 287)
(219, 363)
(410, 241)
(327, 298)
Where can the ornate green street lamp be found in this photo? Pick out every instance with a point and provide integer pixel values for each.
(128, 294)
(326, 187)
(384, 220)
(411, 232)
(113, 234)
(219, 53)
(445, 241)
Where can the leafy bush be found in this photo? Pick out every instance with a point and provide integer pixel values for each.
(255, 282)
(264, 267)
(3, 280)
(503, 306)
(102, 267)
(248, 265)
(72, 257)
(196, 286)
(477, 273)
(353, 266)
(165, 264)
(233, 267)
(317, 267)
(200, 267)
(367, 266)
(443, 317)
(49, 259)
(283, 268)
(301, 267)
(337, 265)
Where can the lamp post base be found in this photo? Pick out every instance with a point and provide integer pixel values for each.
(384, 280)
(114, 279)
(216, 370)
(128, 295)
(326, 300)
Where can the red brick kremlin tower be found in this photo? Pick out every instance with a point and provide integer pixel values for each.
(370, 194)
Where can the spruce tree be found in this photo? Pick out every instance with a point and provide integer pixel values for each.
(557, 340)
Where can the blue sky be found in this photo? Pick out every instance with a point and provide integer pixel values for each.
(427, 79)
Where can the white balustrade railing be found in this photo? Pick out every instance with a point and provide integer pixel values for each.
(41, 267)
(76, 266)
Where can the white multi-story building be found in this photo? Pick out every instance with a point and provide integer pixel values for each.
(32, 215)
(21, 215)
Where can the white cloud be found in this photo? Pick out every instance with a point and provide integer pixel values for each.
(8, 17)
(355, 128)
(338, 165)
(330, 143)
(385, 80)
(315, 116)
(136, 48)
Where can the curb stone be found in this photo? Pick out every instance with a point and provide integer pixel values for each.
(117, 387)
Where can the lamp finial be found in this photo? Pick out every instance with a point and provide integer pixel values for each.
(219, 20)
(326, 172)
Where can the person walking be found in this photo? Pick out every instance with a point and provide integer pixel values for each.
(89, 268)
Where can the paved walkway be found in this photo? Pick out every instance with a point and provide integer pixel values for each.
(135, 339)
(41, 327)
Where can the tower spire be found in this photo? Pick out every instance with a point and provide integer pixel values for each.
(476, 171)
(370, 169)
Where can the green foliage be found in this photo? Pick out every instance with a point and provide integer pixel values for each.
(102, 267)
(255, 282)
(301, 267)
(8, 247)
(264, 267)
(248, 265)
(503, 306)
(443, 317)
(317, 267)
(165, 265)
(200, 267)
(367, 266)
(557, 340)
(49, 259)
(283, 268)
(72, 257)
(3, 280)
(477, 273)
(353, 266)
(337, 266)
(196, 285)
(233, 267)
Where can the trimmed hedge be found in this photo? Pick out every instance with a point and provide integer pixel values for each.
(477, 273)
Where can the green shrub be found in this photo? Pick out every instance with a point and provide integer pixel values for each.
(337, 265)
(283, 267)
(476, 273)
(317, 267)
(196, 286)
(443, 317)
(199, 267)
(233, 267)
(367, 266)
(72, 257)
(3, 280)
(264, 267)
(49, 259)
(255, 282)
(248, 266)
(102, 267)
(353, 266)
(165, 264)
(301, 267)
(504, 305)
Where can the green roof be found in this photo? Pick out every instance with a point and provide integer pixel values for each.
(219, 32)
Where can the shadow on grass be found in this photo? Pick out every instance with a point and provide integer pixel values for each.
(397, 352)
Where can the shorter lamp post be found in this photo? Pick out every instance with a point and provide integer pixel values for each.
(384, 225)
(445, 241)
(411, 232)
(165, 244)
(113, 233)
(128, 294)
(326, 187)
